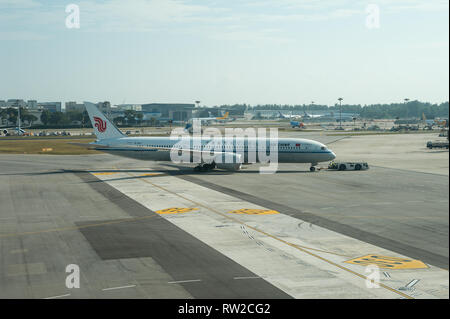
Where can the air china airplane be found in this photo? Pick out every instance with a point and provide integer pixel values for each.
(290, 150)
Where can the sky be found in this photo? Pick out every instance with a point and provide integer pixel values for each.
(225, 51)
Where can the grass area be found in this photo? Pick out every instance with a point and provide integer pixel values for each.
(56, 146)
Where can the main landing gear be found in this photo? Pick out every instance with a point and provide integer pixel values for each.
(204, 167)
(312, 168)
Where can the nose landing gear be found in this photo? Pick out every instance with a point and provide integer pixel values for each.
(312, 168)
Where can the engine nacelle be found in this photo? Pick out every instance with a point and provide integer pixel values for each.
(229, 166)
(229, 162)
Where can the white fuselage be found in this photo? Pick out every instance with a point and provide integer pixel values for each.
(288, 150)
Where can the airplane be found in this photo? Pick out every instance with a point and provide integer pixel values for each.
(310, 116)
(210, 119)
(18, 130)
(288, 116)
(290, 150)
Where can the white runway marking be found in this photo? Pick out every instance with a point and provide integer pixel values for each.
(60, 296)
(122, 287)
(184, 281)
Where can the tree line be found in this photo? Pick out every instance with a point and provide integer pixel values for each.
(411, 109)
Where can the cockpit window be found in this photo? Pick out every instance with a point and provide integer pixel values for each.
(323, 148)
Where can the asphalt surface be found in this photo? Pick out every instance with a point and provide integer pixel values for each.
(53, 214)
(399, 210)
(51, 218)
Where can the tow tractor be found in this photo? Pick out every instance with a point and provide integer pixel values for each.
(348, 166)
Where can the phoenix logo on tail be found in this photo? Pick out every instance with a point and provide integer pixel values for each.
(100, 124)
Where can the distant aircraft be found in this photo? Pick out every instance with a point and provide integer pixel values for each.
(18, 130)
(311, 116)
(288, 116)
(222, 153)
(211, 119)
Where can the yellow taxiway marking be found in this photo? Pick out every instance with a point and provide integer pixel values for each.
(388, 262)
(105, 173)
(175, 210)
(305, 250)
(151, 174)
(248, 211)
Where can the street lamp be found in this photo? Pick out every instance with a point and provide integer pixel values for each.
(406, 102)
(340, 112)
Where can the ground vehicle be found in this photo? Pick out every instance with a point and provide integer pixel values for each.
(342, 166)
(437, 144)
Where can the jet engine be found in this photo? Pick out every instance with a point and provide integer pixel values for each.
(228, 161)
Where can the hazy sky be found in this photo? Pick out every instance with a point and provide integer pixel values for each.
(225, 51)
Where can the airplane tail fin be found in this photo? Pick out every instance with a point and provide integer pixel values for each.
(223, 117)
(103, 128)
(188, 127)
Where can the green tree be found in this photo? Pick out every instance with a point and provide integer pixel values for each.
(30, 118)
(45, 117)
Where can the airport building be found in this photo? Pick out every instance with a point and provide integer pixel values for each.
(169, 111)
(32, 104)
(72, 106)
(51, 106)
(13, 103)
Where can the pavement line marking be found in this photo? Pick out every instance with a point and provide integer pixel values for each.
(121, 287)
(78, 227)
(278, 239)
(184, 281)
(176, 210)
(18, 251)
(254, 277)
(60, 296)
(412, 283)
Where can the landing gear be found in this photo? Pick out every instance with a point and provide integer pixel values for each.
(204, 167)
(312, 168)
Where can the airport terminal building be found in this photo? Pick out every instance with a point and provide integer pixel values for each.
(169, 111)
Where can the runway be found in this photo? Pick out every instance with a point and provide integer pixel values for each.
(152, 230)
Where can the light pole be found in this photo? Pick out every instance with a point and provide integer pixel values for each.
(406, 102)
(340, 112)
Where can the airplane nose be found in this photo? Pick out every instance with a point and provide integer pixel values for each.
(332, 155)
